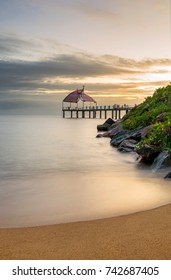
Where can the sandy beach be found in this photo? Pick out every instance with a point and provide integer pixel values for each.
(144, 235)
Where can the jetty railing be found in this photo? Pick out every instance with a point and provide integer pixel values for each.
(116, 111)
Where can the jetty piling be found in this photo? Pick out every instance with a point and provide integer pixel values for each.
(115, 111)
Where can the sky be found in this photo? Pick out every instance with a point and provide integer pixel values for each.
(119, 49)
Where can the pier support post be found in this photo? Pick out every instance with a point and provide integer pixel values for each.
(63, 114)
(77, 114)
(119, 114)
(116, 114)
(105, 114)
(83, 114)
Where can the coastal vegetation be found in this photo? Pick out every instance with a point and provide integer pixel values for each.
(154, 111)
(146, 129)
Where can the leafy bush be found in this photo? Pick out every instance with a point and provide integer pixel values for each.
(146, 113)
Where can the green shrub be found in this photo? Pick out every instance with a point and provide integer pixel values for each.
(145, 114)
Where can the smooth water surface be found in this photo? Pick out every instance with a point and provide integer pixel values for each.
(55, 170)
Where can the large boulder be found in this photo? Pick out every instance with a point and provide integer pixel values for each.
(106, 125)
(148, 153)
(126, 134)
(116, 127)
(127, 145)
(115, 130)
(162, 160)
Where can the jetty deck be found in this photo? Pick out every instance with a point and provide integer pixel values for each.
(115, 111)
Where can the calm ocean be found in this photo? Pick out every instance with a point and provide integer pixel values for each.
(55, 170)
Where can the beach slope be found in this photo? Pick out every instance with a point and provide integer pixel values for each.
(144, 235)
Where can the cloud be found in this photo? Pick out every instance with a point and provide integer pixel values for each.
(139, 64)
(97, 9)
(57, 72)
(46, 74)
(10, 43)
(12, 47)
(23, 74)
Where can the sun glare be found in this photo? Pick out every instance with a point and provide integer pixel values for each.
(158, 73)
(122, 85)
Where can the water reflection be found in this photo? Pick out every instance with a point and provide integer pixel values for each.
(59, 172)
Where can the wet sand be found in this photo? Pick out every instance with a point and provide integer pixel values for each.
(144, 235)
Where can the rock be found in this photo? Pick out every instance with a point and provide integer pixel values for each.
(168, 176)
(99, 135)
(161, 117)
(103, 127)
(145, 130)
(119, 137)
(115, 124)
(116, 129)
(135, 134)
(106, 134)
(127, 145)
(126, 134)
(162, 160)
(106, 125)
(110, 121)
(148, 153)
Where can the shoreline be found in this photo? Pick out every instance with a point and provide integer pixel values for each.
(142, 235)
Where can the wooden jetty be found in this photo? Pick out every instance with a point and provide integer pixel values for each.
(115, 112)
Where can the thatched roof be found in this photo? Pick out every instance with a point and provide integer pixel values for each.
(77, 95)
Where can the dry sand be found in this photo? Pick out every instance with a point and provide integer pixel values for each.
(145, 235)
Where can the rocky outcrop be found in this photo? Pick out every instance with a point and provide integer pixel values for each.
(126, 141)
(146, 130)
